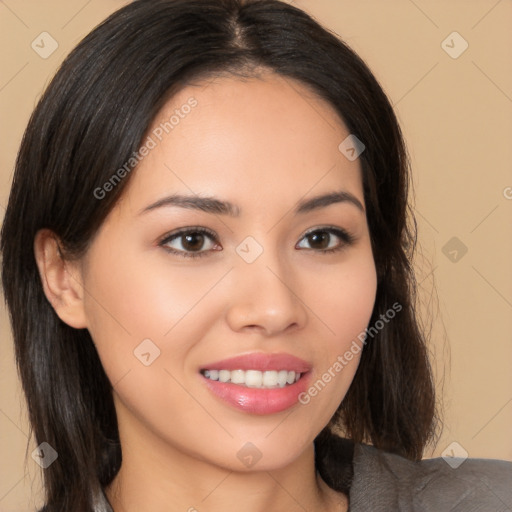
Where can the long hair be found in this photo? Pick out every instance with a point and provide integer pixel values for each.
(93, 116)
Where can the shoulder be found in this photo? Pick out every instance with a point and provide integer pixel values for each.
(384, 481)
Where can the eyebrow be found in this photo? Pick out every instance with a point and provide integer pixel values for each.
(218, 207)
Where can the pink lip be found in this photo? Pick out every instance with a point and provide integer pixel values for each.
(257, 400)
(261, 362)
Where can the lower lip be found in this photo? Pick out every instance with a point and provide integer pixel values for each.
(258, 400)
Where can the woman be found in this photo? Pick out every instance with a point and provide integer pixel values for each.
(206, 259)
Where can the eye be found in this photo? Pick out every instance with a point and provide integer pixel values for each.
(323, 240)
(196, 242)
(190, 242)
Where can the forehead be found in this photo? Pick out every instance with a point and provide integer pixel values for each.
(258, 140)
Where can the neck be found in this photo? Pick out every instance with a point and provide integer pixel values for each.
(154, 476)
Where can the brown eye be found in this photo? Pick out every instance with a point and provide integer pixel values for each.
(187, 242)
(193, 242)
(319, 239)
(324, 240)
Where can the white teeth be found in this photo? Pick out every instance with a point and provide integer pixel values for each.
(224, 375)
(281, 378)
(238, 377)
(254, 378)
(214, 374)
(270, 379)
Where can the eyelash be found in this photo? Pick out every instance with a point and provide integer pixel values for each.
(345, 236)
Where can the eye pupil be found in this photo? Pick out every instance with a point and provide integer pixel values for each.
(193, 242)
(319, 236)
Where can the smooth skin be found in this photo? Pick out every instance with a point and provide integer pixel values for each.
(263, 144)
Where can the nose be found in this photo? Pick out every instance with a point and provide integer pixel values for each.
(266, 298)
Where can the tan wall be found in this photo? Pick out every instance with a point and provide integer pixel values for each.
(456, 114)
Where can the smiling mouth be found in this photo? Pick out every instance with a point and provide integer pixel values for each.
(270, 379)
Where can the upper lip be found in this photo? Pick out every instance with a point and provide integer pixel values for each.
(262, 362)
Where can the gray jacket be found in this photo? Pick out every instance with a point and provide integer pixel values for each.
(383, 482)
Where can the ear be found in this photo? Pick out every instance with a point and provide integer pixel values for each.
(61, 280)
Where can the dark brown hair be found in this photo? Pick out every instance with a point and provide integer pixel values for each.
(92, 117)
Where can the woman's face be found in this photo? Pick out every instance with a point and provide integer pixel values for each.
(176, 287)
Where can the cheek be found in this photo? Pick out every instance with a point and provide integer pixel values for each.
(145, 320)
(344, 303)
(132, 298)
(345, 300)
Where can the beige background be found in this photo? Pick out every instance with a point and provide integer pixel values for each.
(457, 118)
